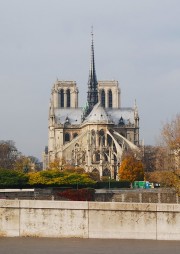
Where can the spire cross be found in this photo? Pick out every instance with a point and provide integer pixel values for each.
(92, 32)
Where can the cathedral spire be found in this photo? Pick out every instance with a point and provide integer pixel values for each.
(92, 97)
(136, 115)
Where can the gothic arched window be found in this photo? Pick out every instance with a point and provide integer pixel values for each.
(103, 100)
(62, 98)
(101, 137)
(109, 140)
(110, 99)
(93, 137)
(97, 156)
(106, 172)
(101, 133)
(105, 157)
(67, 137)
(68, 98)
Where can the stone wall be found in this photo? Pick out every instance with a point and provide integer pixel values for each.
(138, 196)
(89, 219)
(101, 195)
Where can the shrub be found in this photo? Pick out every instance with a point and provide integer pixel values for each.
(12, 178)
(78, 195)
(56, 177)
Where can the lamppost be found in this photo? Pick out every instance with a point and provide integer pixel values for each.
(109, 182)
(77, 180)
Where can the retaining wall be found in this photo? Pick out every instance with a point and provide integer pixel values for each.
(89, 219)
(101, 195)
(138, 196)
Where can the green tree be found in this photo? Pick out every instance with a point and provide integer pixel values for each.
(12, 178)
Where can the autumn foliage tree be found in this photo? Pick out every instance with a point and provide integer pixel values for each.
(170, 139)
(166, 157)
(171, 133)
(57, 164)
(167, 179)
(57, 177)
(131, 169)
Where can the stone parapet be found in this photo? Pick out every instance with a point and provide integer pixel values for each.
(89, 219)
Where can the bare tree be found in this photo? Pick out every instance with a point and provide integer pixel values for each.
(150, 158)
(8, 154)
(170, 136)
(27, 164)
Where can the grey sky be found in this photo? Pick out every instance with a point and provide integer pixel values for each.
(137, 42)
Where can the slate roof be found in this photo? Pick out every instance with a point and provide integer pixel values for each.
(97, 115)
(126, 113)
(74, 115)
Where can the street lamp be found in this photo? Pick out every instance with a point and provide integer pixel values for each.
(109, 182)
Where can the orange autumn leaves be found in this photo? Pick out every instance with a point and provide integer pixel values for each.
(131, 169)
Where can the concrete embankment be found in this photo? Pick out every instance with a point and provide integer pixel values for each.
(89, 219)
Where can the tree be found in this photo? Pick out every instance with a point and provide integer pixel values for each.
(149, 158)
(167, 179)
(57, 164)
(22, 163)
(171, 133)
(12, 178)
(27, 164)
(57, 177)
(131, 169)
(170, 139)
(155, 158)
(62, 165)
(8, 154)
(167, 166)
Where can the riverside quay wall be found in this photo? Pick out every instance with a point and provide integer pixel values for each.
(37, 218)
(157, 195)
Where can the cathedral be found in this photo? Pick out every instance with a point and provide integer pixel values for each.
(93, 137)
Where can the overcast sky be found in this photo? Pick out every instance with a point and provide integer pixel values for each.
(137, 42)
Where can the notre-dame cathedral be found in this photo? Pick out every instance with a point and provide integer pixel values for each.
(93, 137)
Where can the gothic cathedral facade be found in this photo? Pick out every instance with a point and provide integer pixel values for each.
(93, 137)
